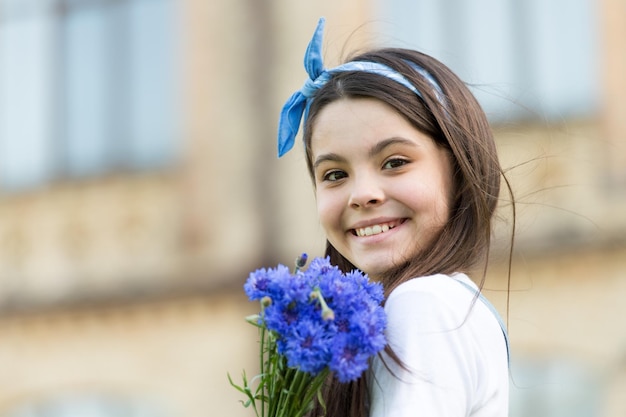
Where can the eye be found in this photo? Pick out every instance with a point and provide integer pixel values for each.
(334, 175)
(394, 163)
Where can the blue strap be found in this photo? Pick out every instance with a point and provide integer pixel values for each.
(490, 306)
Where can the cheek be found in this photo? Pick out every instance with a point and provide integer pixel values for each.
(439, 206)
(328, 210)
(441, 189)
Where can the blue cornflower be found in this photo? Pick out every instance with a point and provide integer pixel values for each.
(267, 283)
(321, 318)
(349, 359)
(308, 346)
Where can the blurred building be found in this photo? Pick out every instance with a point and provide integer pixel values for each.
(139, 186)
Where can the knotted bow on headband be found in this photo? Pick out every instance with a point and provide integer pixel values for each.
(296, 107)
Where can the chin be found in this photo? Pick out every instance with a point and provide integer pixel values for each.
(375, 268)
(375, 271)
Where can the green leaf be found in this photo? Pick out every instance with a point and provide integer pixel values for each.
(237, 387)
(320, 399)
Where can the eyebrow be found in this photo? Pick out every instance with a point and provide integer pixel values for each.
(383, 144)
(375, 150)
(332, 157)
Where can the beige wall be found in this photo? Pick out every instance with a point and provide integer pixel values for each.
(171, 355)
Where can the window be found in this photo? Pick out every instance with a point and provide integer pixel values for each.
(87, 87)
(84, 405)
(554, 387)
(523, 59)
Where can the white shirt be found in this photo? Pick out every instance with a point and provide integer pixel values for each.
(454, 350)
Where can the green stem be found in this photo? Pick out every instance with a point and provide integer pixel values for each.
(262, 369)
(299, 381)
(313, 387)
(283, 395)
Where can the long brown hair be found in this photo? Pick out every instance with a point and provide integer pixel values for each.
(456, 122)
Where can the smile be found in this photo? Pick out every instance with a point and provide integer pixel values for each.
(374, 229)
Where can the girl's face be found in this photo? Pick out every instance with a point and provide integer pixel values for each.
(383, 188)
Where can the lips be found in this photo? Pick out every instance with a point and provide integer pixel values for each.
(375, 229)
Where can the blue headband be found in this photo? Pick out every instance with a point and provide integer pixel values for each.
(296, 106)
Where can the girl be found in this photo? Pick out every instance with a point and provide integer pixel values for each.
(406, 180)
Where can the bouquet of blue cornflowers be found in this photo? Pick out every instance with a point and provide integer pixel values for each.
(312, 323)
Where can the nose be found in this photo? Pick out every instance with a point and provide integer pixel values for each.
(366, 192)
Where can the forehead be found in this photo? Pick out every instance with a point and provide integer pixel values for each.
(359, 123)
(337, 110)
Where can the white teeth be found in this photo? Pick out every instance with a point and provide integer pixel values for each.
(373, 230)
